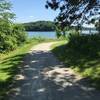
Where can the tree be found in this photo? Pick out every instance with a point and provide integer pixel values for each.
(6, 16)
(5, 10)
(11, 35)
(97, 24)
(74, 11)
(39, 26)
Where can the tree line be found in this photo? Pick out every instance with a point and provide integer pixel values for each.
(11, 35)
(39, 26)
(75, 12)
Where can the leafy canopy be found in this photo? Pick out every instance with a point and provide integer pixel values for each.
(11, 34)
(5, 10)
(74, 11)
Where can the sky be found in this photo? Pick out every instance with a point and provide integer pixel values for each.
(32, 10)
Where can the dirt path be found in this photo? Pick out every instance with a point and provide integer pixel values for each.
(43, 77)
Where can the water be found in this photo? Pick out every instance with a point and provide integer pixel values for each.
(42, 34)
(89, 32)
(52, 35)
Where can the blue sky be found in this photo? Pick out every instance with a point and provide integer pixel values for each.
(32, 10)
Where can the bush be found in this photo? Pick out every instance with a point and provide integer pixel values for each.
(82, 53)
(19, 33)
(10, 43)
(84, 43)
(12, 37)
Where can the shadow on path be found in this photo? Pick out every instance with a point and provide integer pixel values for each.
(43, 77)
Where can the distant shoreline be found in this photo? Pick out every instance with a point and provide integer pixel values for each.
(40, 31)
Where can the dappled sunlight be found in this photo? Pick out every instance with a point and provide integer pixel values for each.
(35, 77)
(19, 77)
(43, 77)
(15, 90)
(62, 76)
(65, 77)
(41, 90)
(34, 61)
(81, 53)
(29, 72)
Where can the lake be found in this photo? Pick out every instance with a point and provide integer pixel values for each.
(52, 35)
(42, 34)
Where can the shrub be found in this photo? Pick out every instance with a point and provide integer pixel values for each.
(11, 35)
(84, 43)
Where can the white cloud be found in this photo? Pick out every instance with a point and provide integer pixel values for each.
(31, 16)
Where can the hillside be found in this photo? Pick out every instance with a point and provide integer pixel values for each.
(39, 26)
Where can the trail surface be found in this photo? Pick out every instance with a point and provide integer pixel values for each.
(43, 77)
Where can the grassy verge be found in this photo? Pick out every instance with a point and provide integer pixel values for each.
(9, 63)
(83, 55)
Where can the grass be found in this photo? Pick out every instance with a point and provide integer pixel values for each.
(82, 54)
(9, 63)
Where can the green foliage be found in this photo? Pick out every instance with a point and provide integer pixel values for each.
(85, 43)
(19, 33)
(5, 10)
(58, 32)
(74, 11)
(11, 35)
(62, 33)
(9, 65)
(39, 26)
(82, 53)
(97, 24)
